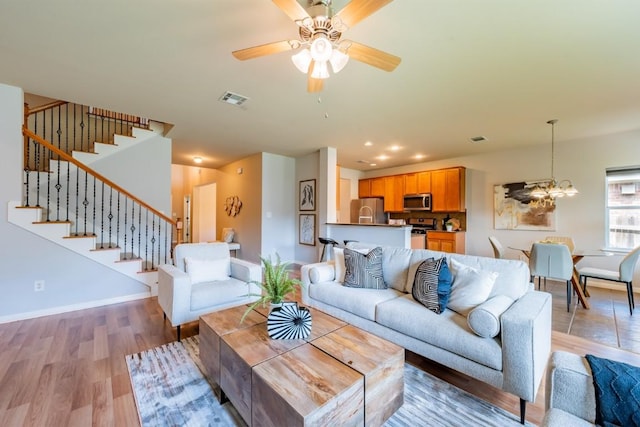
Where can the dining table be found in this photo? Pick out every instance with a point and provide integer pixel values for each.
(577, 255)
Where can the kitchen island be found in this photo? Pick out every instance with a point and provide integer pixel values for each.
(379, 234)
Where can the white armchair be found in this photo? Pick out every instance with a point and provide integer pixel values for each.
(205, 278)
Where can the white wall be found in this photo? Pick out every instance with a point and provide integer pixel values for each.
(278, 206)
(153, 183)
(25, 257)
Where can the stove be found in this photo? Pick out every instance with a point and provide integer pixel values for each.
(422, 225)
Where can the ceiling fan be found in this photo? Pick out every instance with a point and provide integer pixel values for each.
(320, 32)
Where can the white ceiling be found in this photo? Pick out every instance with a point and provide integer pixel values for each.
(496, 68)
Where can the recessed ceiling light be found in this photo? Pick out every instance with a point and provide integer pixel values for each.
(382, 157)
(394, 148)
(197, 160)
(368, 144)
(372, 164)
(477, 139)
(419, 156)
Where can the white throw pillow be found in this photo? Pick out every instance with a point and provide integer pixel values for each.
(470, 288)
(338, 256)
(321, 273)
(207, 270)
(484, 320)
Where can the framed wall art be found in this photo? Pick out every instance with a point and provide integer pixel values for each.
(307, 196)
(307, 230)
(515, 209)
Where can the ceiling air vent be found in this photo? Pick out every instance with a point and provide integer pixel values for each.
(233, 98)
(477, 139)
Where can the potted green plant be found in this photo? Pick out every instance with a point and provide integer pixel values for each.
(276, 284)
(449, 225)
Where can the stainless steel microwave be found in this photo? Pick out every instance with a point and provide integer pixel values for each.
(417, 202)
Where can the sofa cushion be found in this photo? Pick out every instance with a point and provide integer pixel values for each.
(363, 270)
(361, 302)
(432, 284)
(448, 330)
(484, 320)
(395, 264)
(338, 257)
(207, 270)
(210, 294)
(513, 275)
(470, 288)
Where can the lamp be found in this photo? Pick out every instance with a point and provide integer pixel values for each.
(547, 193)
(321, 51)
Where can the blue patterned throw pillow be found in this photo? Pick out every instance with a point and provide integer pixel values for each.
(363, 270)
(617, 386)
(432, 284)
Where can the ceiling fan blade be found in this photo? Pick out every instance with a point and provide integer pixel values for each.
(292, 8)
(356, 10)
(383, 60)
(262, 50)
(313, 85)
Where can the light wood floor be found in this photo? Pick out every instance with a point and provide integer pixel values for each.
(69, 369)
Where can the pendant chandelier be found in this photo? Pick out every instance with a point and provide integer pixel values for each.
(549, 191)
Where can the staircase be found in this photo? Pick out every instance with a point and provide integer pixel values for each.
(70, 204)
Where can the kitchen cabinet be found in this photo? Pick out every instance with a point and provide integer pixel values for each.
(393, 193)
(446, 241)
(424, 182)
(448, 190)
(364, 188)
(377, 187)
(417, 183)
(410, 183)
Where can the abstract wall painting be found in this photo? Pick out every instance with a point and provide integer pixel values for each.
(515, 209)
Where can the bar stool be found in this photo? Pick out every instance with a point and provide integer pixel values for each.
(346, 242)
(327, 242)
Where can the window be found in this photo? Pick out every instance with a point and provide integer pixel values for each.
(623, 208)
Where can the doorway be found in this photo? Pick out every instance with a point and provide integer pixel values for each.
(204, 213)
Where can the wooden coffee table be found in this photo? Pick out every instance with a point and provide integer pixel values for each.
(339, 375)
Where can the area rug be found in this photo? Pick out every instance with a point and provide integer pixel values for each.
(171, 390)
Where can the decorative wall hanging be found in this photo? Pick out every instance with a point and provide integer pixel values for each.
(289, 322)
(307, 195)
(515, 209)
(307, 229)
(232, 205)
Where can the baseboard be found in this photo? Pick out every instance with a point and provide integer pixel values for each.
(72, 307)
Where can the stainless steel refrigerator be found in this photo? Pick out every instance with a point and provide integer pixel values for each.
(367, 211)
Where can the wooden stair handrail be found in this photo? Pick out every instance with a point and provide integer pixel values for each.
(27, 133)
(46, 107)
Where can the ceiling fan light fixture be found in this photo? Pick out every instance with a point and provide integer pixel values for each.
(321, 49)
(338, 60)
(302, 60)
(320, 70)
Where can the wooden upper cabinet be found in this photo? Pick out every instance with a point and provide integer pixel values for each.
(393, 193)
(377, 187)
(410, 183)
(424, 182)
(364, 188)
(448, 190)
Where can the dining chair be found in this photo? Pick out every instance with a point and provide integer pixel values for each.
(623, 275)
(498, 250)
(561, 239)
(553, 261)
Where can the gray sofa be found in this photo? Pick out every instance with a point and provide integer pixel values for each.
(513, 361)
(570, 397)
